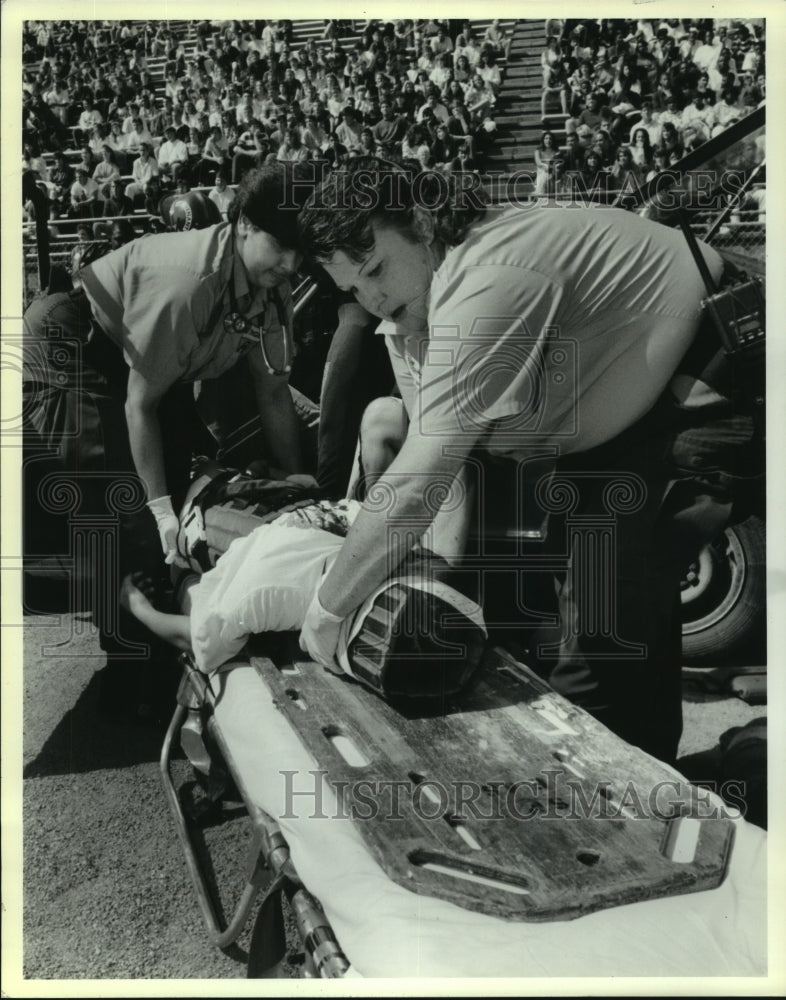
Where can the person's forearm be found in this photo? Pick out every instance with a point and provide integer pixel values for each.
(369, 556)
(174, 629)
(281, 427)
(147, 450)
(380, 538)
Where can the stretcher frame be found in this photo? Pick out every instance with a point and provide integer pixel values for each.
(269, 866)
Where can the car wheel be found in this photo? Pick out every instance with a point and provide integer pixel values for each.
(724, 594)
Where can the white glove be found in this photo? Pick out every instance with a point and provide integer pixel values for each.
(168, 525)
(319, 635)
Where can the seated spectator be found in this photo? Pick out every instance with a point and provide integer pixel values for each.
(154, 194)
(443, 148)
(589, 117)
(484, 138)
(560, 181)
(118, 202)
(442, 73)
(648, 122)
(555, 81)
(572, 154)
(460, 125)
(494, 39)
(592, 174)
(348, 130)
(550, 56)
(139, 133)
(671, 116)
(61, 177)
(252, 147)
(463, 161)
(472, 52)
(626, 176)
(703, 88)
(625, 97)
(314, 135)
(87, 159)
(436, 107)
(390, 130)
(214, 157)
(671, 139)
(440, 43)
(415, 146)
(32, 160)
(462, 71)
(699, 117)
(97, 139)
(222, 195)
(335, 153)
(106, 172)
(118, 143)
(89, 117)
(489, 72)
(660, 162)
(58, 97)
(368, 144)
(85, 238)
(705, 55)
(641, 148)
(172, 155)
(83, 195)
(749, 94)
(727, 111)
(292, 149)
(143, 170)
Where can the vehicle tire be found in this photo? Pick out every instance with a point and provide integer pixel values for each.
(724, 599)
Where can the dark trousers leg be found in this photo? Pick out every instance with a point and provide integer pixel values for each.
(644, 506)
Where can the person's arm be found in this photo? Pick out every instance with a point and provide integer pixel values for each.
(383, 534)
(172, 628)
(280, 425)
(144, 432)
(340, 414)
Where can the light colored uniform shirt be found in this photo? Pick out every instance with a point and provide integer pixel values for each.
(558, 325)
(163, 300)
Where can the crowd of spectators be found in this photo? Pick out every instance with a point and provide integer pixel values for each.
(636, 96)
(119, 134)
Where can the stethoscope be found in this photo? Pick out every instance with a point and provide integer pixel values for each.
(235, 322)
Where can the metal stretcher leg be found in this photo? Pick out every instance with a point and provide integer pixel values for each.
(221, 937)
(269, 866)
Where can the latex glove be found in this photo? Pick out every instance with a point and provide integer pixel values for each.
(168, 525)
(303, 479)
(319, 635)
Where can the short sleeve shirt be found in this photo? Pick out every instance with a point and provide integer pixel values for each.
(558, 324)
(163, 300)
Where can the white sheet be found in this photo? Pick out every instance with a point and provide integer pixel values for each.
(386, 930)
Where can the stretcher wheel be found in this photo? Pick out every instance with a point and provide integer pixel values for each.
(268, 939)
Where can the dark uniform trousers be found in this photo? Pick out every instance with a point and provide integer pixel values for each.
(630, 516)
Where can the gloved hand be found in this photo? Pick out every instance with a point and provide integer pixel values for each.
(319, 635)
(167, 523)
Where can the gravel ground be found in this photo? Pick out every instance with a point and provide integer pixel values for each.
(106, 890)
